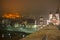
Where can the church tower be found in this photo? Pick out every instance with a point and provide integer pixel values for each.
(57, 13)
(50, 15)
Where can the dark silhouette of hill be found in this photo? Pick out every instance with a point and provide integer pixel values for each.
(49, 32)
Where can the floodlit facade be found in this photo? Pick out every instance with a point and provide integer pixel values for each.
(53, 18)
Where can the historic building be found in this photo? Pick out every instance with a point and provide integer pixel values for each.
(53, 18)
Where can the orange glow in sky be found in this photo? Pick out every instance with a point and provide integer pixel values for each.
(11, 15)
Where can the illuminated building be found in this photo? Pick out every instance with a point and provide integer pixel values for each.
(57, 15)
(53, 18)
(41, 21)
(50, 15)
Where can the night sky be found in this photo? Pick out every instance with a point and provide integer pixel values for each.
(29, 7)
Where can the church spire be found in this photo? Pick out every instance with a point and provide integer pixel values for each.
(57, 11)
(50, 12)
